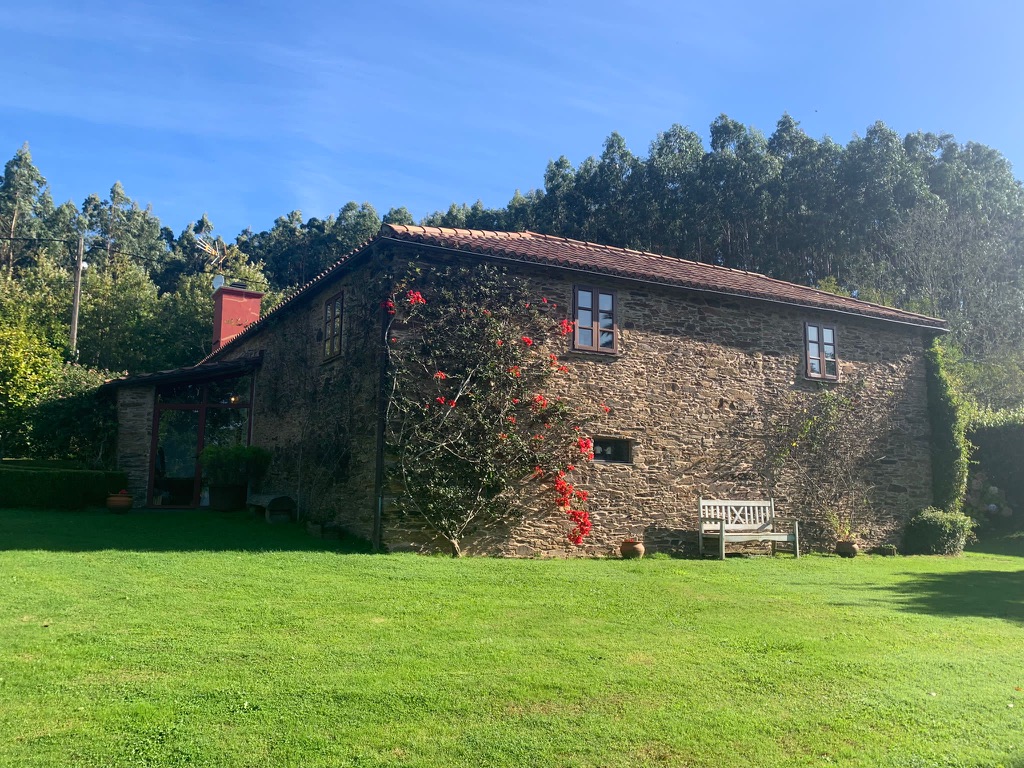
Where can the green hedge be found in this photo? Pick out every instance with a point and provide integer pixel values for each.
(41, 464)
(1000, 457)
(52, 488)
(935, 532)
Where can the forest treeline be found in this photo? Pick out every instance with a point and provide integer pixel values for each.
(921, 222)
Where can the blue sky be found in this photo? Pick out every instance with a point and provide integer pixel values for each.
(249, 110)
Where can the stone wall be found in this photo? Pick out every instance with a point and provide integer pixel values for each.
(697, 382)
(135, 437)
(319, 417)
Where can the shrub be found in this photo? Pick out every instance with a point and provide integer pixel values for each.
(235, 464)
(885, 550)
(49, 488)
(935, 532)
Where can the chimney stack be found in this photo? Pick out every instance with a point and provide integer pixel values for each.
(234, 309)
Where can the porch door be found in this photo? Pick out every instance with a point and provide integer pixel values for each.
(176, 480)
(188, 417)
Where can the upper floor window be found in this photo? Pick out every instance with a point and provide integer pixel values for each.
(596, 325)
(820, 351)
(333, 308)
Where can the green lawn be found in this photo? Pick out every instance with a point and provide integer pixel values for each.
(199, 639)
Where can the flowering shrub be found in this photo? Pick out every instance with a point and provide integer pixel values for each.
(473, 429)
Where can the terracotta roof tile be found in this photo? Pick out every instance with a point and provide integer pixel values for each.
(531, 247)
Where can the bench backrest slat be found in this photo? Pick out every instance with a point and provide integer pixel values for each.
(738, 515)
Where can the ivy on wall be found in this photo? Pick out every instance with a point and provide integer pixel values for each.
(949, 413)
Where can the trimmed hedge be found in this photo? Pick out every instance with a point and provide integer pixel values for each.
(41, 464)
(1000, 456)
(58, 488)
(934, 532)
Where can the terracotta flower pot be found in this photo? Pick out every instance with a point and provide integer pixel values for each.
(847, 548)
(119, 502)
(632, 550)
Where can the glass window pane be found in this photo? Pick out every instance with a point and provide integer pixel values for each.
(586, 337)
(812, 333)
(827, 335)
(174, 472)
(607, 340)
(812, 350)
(337, 326)
(830, 352)
(605, 301)
(606, 320)
(327, 347)
(337, 307)
(830, 368)
(585, 317)
(327, 312)
(584, 300)
(815, 366)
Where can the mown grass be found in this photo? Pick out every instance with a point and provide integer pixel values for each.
(199, 639)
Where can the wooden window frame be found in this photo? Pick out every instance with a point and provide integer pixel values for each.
(820, 357)
(332, 340)
(594, 326)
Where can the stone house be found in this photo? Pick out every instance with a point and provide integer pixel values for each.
(694, 359)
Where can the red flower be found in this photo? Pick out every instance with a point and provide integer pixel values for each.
(451, 403)
(515, 371)
(586, 446)
(538, 437)
(540, 402)
(440, 400)
(563, 369)
(544, 301)
(440, 375)
(499, 343)
(415, 297)
(394, 340)
(537, 472)
(503, 436)
(605, 408)
(515, 401)
(511, 419)
(570, 467)
(566, 327)
(527, 341)
(389, 305)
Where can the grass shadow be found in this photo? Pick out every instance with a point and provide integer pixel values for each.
(158, 531)
(988, 594)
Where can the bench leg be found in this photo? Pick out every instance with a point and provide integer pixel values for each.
(700, 539)
(796, 539)
(721, 542)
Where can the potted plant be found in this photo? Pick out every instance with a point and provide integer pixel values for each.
(230, 470)
(846, 537)
(631, 548)
(120, 502)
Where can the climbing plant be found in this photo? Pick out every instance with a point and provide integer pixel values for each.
(479, 423)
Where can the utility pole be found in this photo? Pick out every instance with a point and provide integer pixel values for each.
(76, 303)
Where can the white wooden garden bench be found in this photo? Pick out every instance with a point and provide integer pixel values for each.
(727, 520)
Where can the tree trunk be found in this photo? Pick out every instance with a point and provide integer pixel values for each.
(456, 549)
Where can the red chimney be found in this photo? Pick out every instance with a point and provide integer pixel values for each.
(234, 308)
